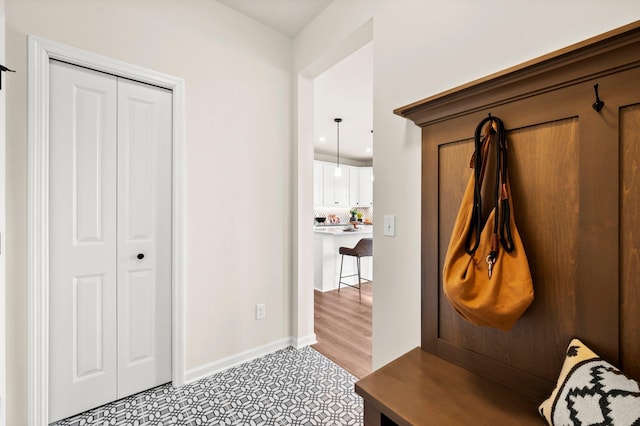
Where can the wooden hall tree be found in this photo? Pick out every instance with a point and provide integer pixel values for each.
(576, 196)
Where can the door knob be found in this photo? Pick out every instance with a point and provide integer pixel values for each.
(140, 256)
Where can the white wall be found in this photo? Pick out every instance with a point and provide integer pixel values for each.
(238, 128)
(422, 48)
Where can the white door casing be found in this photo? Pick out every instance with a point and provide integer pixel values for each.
(41, 51)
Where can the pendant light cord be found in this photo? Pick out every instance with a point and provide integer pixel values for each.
(338, 120)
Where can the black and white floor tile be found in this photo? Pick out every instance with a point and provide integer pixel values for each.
(288, 387)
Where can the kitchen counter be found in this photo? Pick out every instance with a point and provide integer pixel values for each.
(327, 242)
(344, 228)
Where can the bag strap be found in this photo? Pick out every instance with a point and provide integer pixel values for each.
(502, 224)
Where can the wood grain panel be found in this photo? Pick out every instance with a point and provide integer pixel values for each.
(630, 239)
(544, 176)
(564, 171)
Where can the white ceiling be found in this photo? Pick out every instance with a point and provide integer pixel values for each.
(345, 90)
(285, 16)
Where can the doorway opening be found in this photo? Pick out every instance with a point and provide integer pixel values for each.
(343, 209)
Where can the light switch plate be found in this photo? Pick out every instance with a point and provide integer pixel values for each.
(390, 225)
(260, 311)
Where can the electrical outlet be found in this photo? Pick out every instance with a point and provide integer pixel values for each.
(260, 311)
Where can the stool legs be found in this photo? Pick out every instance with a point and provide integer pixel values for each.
(359, 280)
(340, 279)
(359, 276)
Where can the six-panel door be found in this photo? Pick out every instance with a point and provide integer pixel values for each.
(110, 241)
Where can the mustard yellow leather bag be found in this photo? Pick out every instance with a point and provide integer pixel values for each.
(486, 273)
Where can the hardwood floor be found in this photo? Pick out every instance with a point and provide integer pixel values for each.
(343, 328)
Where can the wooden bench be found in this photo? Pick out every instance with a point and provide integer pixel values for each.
(421, 389)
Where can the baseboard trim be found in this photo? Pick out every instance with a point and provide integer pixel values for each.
(234, 360)
(304, 341)
(246, 356)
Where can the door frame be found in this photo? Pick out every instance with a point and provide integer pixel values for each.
(40, 52)
(303, 184)
(3, 215)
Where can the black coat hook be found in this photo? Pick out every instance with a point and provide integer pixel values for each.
(598, 104)
(3, 69)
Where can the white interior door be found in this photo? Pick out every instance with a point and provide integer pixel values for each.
(83, 245)
(110, 200)
(144, 237)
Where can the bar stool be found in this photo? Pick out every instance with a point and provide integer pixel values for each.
(363, 248)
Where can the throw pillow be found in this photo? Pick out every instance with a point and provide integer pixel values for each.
(590, 391)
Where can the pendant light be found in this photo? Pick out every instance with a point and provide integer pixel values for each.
(338, 171)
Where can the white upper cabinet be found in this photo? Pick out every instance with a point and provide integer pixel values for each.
(365, 186)
(335, 188)
(354, 188)
(318, 184)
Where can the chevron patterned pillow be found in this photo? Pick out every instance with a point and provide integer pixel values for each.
(590, 391)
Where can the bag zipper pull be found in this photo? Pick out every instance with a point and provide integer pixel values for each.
(490, 261)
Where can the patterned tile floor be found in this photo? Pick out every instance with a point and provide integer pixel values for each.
(288, 387)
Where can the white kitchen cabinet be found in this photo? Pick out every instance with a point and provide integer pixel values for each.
(361, 186)
(354, 189)
(335, 188)
(365, 186)
(318, 184)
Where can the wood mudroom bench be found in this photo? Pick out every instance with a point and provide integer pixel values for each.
(421, 389)
(573, 168)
